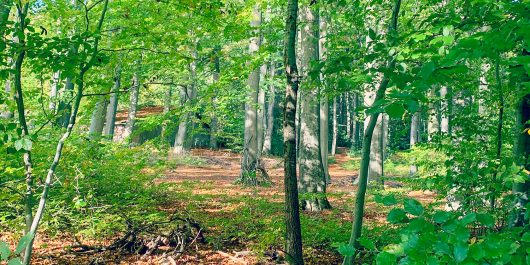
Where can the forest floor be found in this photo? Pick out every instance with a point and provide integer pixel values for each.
(241, 225)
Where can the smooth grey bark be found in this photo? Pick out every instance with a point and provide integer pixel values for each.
(187, 94)
(324, 103)
(293, 233)
(56, 78)
(251, 151)
(358, 212)
(414, 138)
(133, 107)
(267, 140)
(97, 121)
(112, 107)
(357, 132)
(215, 77)
(261, 111)
(433, 124)
(312, 181)
(444, 110)
(335, 128)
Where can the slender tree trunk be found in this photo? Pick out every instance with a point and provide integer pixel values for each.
(365, 159)
(414, 138)
(112, 107)
(335, 128)
(250, 150)
(267, 141)
(79, 95)
(133, 107)
(521, 190)
(261, 111)
(433, 125)
(358, 127)
(324, 103)
(56, 78)
(348, 115)
(444, 110)
(293, 238)
(213, 125)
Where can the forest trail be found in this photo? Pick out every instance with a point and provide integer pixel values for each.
(223, 168)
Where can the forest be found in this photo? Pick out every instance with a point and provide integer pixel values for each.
(265, 132)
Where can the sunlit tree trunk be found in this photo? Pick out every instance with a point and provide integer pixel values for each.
(112, 107)
(348, 115)
(335, 128)
(293, 233)
(133, 106)
(56, 79)
(267, 141)
(358, 213)
(433, 124)
(261, 110)
(215, 77)
(98, 118)
(324, 103)
(187, 94)
(250, 149)
(444, 110)
(312, 182)
(414, 138)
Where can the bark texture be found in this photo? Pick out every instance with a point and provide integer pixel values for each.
(133, 106)
(112, 107)
(293, 237)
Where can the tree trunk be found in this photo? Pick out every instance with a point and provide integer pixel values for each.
(133, 106)
(293, 238)
(112, 107)
(261, 111)
(348, 115)
(433, 125)
(324, 104)
(312, 182)
(56, 78)
(77, 101)
(521, 190)
(98, 118)
(365, 156)
(444, 110)
(358, 127)
(267, 141)
(414, 138)
(215, 77)
(250, 150)
(335, 128)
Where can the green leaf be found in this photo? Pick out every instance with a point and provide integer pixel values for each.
(413, 207)
(15, 261)
(477, 252)
(385, 258)
(526, 237)
(486, 219)
(460, 252)
(396, 216)
(386, 200)
(427, 70)
(447, 30)
(469, 218)
(441, 217)
(395, 110)
(346, 250)
(24, 241)
(5, 252)
(367, 243)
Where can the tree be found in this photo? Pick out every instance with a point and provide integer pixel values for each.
(367, 141)
(293, 238)
(312, 180)
(110, 118)
(251, 159)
